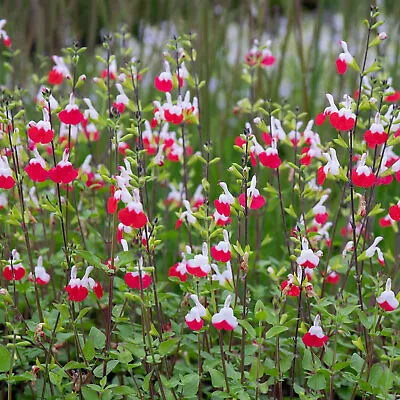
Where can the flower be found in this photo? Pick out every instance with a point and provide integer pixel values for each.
(344, 59)
(58, 72)
(36, 169)
(374, 248)
(71, 114)
(199, 266)
(257, 201)
(223, 204)
(42, 277)
(222, 251)
(137, 279)
(3, 34)
(225, 319)
(362, 175)
(289, 288)
(179, 269)
(319, 211)
(270, 157)
(63, 172)
(387, 300)
(223, 277)
(188, 214)
(307, 257)
(333, 277)
(193, 318)
(122, 99)
(376, 135)
(132, 215)
(41, 132)
(394, 211)
(315, 336)
(163, 82)
(14, 271)
(78, 288)
(6, 180)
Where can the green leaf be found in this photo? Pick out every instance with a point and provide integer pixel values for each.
(248, 328)
(74, 365)
(307, 360)
(82, 313)
(168, 346)
(217, 378)
(88, 350)
(317, 382)
(340, 141)
(146, 381)
(90, 258)
(5, 359)
(190, 385)
(97, 337)
(275, 330)
(290, 210)
(340, 365)
(356, 362)
(98, 371)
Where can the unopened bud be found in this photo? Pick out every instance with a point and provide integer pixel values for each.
(382, 36)
(257, 120)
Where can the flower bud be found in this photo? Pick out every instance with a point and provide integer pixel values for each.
(382, 36)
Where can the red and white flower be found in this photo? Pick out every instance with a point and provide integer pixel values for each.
(111, 71)
(58, 72)
(315, 336)
(222, 251)
(333, 277)
(71, 114)
(41, 132)
(394, 211)
(223, 204)
(270, 157)
(344, 58)
(376, 134)
(193, 318)
(254, 199)
(14, 270)
(3, 34)
(137, 279)
(179, 269)
(396, 169)
(289, 287)
(63, 172)
(122, 99)
(78, 289)
(36, 169)
(188, 214)
(363, 175)
(41, 100)
(198, 198)
(3, 201)
(132, 215)
(163, 82)
(42, 277)
(307, 257)
(6, 180)
(225, 319)
(386, 221)
(224, 277)
(319, 211)
(374, 248)
(199, 266)
(387, 300)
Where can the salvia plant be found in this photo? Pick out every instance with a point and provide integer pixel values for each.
(135, 264)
